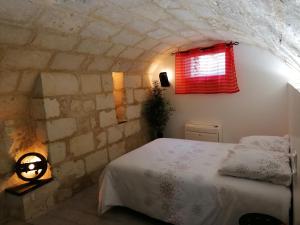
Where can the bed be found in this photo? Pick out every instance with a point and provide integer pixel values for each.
(177, 181)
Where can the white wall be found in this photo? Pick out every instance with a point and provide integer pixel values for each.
(294, 132)
(259, 108)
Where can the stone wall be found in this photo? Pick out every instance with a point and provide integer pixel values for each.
(76, 116)
(63, 84)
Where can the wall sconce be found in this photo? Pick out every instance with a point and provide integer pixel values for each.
(30, 167)
(164, 81)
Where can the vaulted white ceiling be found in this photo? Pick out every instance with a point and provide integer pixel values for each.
(162, 26)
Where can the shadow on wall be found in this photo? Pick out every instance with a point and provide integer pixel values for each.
(259, 108)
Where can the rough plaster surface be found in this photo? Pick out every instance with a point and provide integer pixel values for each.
(129, 27)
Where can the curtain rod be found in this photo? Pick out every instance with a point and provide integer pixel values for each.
(205, 48)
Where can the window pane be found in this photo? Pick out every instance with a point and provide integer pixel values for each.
(208, 65)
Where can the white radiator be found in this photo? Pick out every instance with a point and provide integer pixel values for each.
(203, 131)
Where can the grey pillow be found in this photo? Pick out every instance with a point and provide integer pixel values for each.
(270, 143)
(255, 164)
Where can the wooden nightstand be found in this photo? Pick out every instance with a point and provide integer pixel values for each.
(258, 219)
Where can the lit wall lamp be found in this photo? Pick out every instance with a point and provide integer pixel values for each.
(164, 81)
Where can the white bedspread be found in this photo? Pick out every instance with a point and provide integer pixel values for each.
(177, 181)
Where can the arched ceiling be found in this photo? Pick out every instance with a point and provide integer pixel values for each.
(136, 27)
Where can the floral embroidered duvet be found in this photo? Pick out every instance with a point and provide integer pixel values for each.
(177, 181)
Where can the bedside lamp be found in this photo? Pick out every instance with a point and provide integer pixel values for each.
(30, 168)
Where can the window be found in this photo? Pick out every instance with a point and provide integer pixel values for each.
(206, 71)
(208, 65)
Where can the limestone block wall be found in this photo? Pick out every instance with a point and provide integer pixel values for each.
(76, 118)
(70, 78)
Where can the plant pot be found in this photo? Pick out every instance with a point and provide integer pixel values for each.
(159, 134)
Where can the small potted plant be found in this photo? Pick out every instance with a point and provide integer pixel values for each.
(157, 111)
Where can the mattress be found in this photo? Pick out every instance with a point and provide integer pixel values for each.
(177, 181)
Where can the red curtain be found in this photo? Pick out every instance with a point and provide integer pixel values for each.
(206, 71)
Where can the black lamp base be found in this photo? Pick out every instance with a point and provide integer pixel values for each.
(28, 187)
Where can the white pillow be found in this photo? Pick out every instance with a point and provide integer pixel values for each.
(246, 147)
(270, 143)
(267, 166)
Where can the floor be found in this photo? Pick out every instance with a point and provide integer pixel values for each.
(81, 210)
